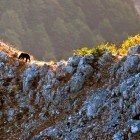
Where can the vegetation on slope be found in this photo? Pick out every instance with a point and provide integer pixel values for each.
(112, 48)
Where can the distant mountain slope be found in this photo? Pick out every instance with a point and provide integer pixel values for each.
(47, 28)
(137, 5)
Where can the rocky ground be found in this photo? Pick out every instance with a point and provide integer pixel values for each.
(84, 98)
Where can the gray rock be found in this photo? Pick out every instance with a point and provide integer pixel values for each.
(70, 69)
(131, 63)
(130, 87)
(61, 64)
(16, 64)
(22, 99)
(86, 70)
(76, 83)
(118, 136)
(31, 110)
(28, 125)
(42, 116)
(134, 50)
(114, 118)
(10, 114)
(37, 99)
(74, 61)
(9, 71)
(88, 59)
(115, 92)
(43, 70)
(3, 56)
(123, 87)
(50, 131)
(121, 103)
(1, 65)
(46, 92)
(106, 57)
(135, 127)
(29, 75)
(136, 108)
(73, 135)
(50, 76)
(125, 95)
(95, 102)
(137, 91)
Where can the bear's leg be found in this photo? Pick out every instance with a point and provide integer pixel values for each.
(26, 59)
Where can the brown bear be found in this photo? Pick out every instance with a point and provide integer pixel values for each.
(24, 56)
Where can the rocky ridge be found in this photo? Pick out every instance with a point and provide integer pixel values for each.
(85, 98)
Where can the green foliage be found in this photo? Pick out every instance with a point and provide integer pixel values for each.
(97, 51)
(112, 48)
(83, 51)
(131, 41)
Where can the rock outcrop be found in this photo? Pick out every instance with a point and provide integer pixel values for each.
(83, 98)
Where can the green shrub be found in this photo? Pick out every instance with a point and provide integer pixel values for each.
(112, 48)
(131, 41)
(97, 51)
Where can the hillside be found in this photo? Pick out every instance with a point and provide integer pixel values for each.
(46, 28)
(137, 5)
(85, 97)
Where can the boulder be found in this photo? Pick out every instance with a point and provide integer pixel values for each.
(134, 50)
(88, 59)
(131, 63)
(3, 56)
(10, 114)
(85, 69)
(77, 82)
(106, 57)
(118, 136)
(74, 61)
(95, 102)
(135, 127)
(29, 75)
